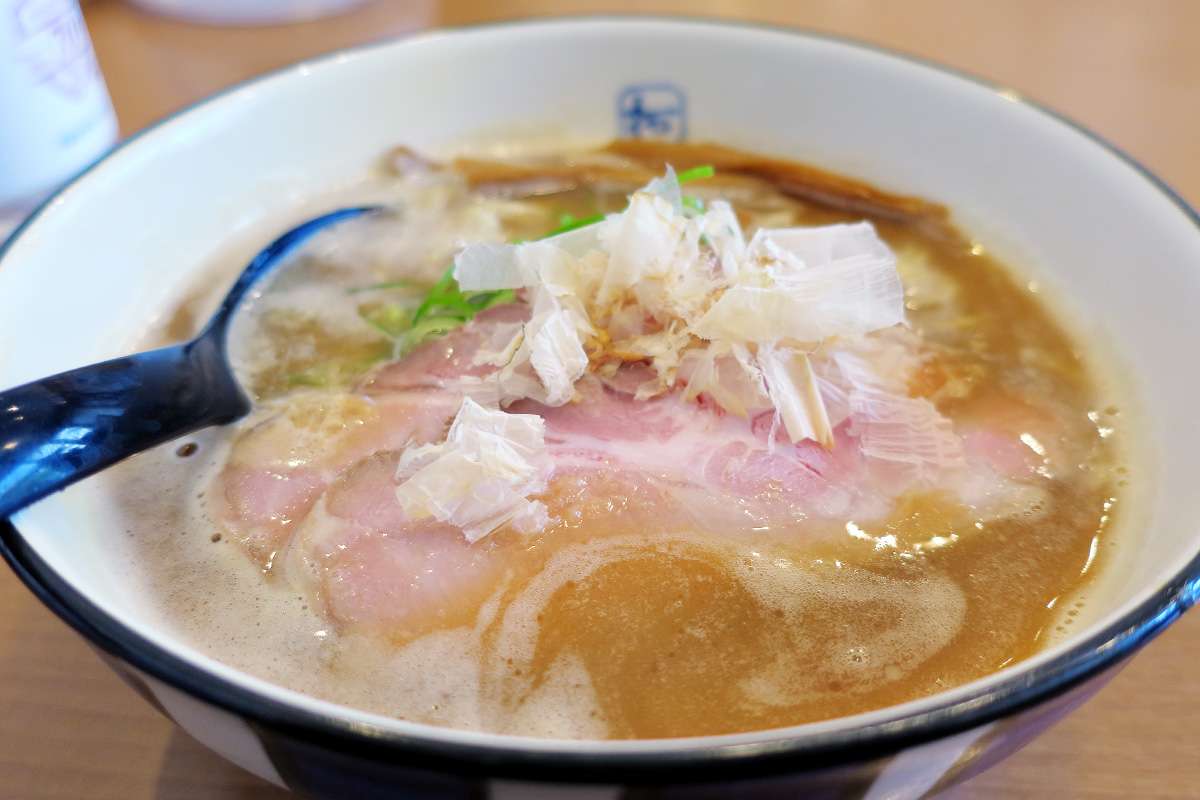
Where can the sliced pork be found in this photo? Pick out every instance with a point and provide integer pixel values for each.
(320, 482)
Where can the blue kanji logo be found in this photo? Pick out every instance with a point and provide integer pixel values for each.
(652, 111)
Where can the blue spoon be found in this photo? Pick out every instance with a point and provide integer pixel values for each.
(61, 429)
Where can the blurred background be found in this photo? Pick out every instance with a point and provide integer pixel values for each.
(1127, 70)
(1130, 71)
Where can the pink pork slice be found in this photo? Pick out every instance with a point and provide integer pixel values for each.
(268, 485)
(657, 468)
(367, 564)
(663, 464)
(265, 489)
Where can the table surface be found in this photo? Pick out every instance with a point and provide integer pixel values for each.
(1131, 71)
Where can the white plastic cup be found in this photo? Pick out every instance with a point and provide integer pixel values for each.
(55, 113)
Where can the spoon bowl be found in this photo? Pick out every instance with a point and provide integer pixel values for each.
(61, 429)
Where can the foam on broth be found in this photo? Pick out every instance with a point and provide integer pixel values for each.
(630, 633)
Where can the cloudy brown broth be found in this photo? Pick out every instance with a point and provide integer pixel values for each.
(624, 617)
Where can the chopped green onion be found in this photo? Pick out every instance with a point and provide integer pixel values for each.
(317, 376)
(427, 329)
(447, 307)
(309, 378)
(437, 295)
(391, 320)
(482, 301)
(569, 223)
(334, 372)
(397, 284)
(696, 173)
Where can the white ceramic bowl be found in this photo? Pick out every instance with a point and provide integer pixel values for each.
(83, 279)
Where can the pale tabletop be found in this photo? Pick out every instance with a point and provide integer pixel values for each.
(1131, 71)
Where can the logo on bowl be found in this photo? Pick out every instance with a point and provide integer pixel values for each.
(652, 111)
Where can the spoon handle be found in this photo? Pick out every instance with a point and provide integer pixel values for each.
(61, 429)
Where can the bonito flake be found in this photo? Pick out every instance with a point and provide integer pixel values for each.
(681, 291)
(792, 387)
(482, 475)
(809, 284)
(869, 377)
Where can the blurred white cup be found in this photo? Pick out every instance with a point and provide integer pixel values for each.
(55, 114)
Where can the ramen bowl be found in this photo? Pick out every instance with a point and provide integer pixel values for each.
(106, 258)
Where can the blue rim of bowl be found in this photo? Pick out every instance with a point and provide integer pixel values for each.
(1024, 690)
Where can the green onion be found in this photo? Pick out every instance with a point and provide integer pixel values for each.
(397, 284)
(391, 320)
(446, 307)
(696, 173)
(426, 329)
(482, 301)
(309, 378)
(438, 295)
(317, 376)
(332, 372)
(569, 223)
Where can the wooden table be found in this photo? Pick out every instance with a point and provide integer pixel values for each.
(70, 729)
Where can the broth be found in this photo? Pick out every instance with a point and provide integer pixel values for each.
(630, 613)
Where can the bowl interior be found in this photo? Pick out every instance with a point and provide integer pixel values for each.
(108, 257)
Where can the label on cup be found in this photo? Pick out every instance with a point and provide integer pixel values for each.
(55, 114)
